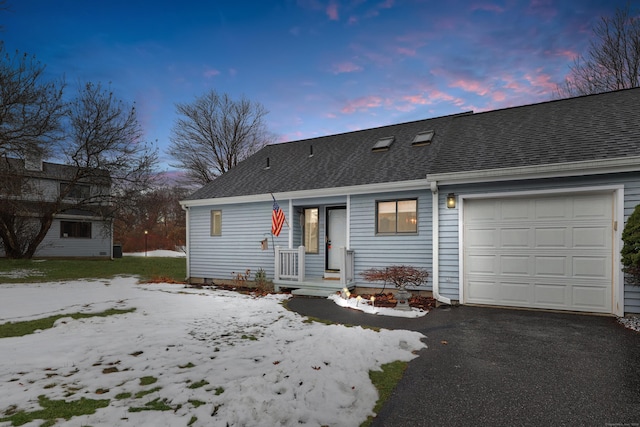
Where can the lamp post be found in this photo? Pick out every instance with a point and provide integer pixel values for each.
(146, 234)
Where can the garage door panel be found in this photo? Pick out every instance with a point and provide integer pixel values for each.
(483, 264)
(588, 207)
(551, 237)
(592, 237)
(551, 208)
(591, 298)
(551, 252)
(549, 295)
(483, 238)
(483, 291)
(519, 265)
(515, 238)
(591, 267)
(552, 266)
(515, 210)
(516, 293)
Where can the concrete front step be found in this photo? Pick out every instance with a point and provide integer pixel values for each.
(314, 292)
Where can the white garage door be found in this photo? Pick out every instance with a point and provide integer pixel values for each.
(541, 252)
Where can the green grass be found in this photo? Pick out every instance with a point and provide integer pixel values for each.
(143, 393)
(18, 329)
(154, 405)
(62, 269)
(385, 381)
(198, 384)
(54, 409)
(148, 380)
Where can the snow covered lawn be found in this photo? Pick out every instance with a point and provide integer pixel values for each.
(219, 357)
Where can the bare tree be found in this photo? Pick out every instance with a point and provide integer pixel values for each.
(214, 133)
(31, 110)
(613, 59)
(103, 154)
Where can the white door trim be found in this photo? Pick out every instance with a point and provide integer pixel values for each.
(617, 296)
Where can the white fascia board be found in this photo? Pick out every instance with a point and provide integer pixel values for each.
(386, 187)
(555, 170)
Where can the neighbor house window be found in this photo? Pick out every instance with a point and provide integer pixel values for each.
(311, 232)
(75, 229)
(397, 216)
(75, 191)
(216, 223)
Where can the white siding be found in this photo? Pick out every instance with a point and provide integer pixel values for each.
(99, 245)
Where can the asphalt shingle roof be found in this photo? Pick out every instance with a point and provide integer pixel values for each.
(338, 160)
(592, 127)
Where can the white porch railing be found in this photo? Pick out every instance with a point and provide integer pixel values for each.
(346, 266)
(289, 264)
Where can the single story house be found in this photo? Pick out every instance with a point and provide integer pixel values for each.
(518, 207)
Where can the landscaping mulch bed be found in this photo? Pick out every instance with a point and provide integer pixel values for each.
(389, 300)
(382, 299)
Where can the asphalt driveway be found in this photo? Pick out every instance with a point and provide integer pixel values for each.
(503, 367)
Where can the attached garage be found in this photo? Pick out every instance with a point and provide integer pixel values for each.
(540, 251)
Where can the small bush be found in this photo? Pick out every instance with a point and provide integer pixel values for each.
(631, 248)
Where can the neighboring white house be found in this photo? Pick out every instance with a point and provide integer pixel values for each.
(77, 231)
(520, 207)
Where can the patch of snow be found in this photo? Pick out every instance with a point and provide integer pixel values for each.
(20, 273)
(631, 322)
(164, 253)
(365, 306)
(262, 364)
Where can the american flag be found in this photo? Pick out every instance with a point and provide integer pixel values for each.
(277, 219)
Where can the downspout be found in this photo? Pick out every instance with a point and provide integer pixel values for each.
(186, 240)
(435, 244)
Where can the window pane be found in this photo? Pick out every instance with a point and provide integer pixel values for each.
(75, 229)
(407, 219)
(311, 231)
(216, 223)
(386, 217)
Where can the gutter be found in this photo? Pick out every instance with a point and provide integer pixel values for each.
(186, 241)
(435, 244)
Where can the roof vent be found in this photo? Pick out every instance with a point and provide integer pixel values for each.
(311, 151)
(423, 138)
(383, 144)
(268, 164)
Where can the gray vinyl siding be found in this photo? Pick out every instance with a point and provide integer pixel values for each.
(99, 245)
(449, 239)
(238, 247)
(379, 251)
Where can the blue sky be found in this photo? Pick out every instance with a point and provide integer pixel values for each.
(319, 66)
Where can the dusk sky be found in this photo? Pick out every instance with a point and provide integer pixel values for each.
(319, 66)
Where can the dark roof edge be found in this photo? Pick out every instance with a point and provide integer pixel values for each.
(551, 101)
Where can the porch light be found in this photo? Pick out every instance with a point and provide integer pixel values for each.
(451, 200)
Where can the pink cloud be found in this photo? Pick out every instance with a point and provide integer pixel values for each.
(488, 7)
(345, 67)
(212, 72)
(361, 104)
(541, 80)
(406, 51)
(332, 12)
(471, 86)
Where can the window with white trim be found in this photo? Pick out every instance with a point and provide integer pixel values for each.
(216, 223)
(397, 216)
(311, 231)
(75, 229)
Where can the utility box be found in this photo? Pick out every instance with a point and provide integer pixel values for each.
(117, 251)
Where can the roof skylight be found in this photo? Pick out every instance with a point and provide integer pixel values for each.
(383, 144)
(423, 138)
